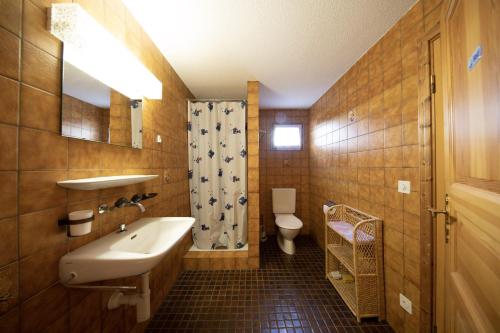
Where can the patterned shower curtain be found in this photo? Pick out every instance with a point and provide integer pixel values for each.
(217, 173)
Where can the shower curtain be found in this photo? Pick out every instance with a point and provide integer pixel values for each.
(217, 173)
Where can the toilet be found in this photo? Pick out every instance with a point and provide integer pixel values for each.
(288, 224)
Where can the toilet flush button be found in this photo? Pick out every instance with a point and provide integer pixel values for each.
(404, 186)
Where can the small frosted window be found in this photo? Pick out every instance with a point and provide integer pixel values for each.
(287, 137)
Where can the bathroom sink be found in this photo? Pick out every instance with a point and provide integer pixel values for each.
(129, 253)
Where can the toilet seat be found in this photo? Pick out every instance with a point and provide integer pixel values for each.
(288, 221)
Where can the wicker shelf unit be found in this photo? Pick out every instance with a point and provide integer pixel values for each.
(353, 247)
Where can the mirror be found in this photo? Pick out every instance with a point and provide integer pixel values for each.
(93, 111)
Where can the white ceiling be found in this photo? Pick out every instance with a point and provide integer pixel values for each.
(296, 48)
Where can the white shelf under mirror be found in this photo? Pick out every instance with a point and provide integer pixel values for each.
(88, 184)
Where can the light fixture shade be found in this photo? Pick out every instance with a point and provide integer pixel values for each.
(94, 50)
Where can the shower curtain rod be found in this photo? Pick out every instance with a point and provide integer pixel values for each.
(215, 100)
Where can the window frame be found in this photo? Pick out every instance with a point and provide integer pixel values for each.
(288, 148)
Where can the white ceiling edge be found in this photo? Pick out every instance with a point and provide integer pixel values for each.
(296, 49)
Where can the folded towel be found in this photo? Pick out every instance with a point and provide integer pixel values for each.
(336, 275)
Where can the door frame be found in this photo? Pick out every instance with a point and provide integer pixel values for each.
(427, 185)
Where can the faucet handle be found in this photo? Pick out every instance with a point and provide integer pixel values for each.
(149, 195)
(120, 203)
(137, 197)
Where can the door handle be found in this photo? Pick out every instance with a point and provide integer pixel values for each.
(447, 221)
(435, 211)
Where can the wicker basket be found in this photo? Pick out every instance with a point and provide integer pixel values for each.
(353, 246)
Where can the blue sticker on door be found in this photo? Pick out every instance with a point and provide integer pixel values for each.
(475, 57)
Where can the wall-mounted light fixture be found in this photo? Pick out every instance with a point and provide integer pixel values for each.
(94, 50)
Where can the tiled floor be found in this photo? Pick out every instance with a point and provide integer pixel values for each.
(288, 294)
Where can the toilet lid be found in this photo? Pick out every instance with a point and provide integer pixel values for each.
(288, 221)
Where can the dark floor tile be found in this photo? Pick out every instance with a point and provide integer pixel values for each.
(287, 294)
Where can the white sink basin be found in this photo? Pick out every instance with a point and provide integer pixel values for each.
(117, 255)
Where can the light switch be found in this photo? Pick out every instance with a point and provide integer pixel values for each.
(404, 186)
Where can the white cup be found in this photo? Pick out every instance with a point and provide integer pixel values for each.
(80, 222)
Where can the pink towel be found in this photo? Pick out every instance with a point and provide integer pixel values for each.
(346, 230)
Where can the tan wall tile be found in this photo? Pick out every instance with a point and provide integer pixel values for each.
(412, 203)
(377, 176)
(41, 69)
(9, 322)
(376, 121)
(39, 230)
(40, 270)
(253, 262)
(8, 245)
(8, 194)
(38, 190)
(35, 29)
(9, 53)
(84, 155)
(61, 325)
(91, 321)
(411, 156)
(376, 158)
(9, 286)
(8, 148)
(393, 157)
(9, 97)
(241, 263)
(410, 133)
(32, 142)
(43, 309)
(10, 16)
(40, 109)
(392, 136)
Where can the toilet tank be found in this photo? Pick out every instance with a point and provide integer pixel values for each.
(283, 200)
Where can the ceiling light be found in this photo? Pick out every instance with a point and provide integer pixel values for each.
(94, 50)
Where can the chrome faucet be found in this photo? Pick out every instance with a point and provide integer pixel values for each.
(124, 202)
(138, 204)
(135, 201)
(121, 228)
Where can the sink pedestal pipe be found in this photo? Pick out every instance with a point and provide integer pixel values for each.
(140, 300)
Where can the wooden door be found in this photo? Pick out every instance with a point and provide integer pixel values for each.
(471, 41)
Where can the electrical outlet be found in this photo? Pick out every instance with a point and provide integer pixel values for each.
(404, 186)
(405, 303)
